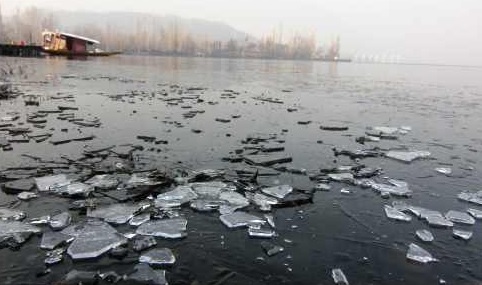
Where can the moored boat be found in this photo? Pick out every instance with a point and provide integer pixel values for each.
(66, 44)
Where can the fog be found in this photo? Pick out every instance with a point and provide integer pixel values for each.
(428, 31)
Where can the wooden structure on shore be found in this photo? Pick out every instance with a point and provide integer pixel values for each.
(21, 50)
(65, 44)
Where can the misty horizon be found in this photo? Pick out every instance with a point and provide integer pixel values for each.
(413, 31)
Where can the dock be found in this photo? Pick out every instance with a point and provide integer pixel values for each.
(21, 50)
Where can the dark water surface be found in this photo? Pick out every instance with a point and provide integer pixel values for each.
(441, 104)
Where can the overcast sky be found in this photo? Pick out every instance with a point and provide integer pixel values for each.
(443, 31)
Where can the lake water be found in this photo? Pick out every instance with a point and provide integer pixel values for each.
(442, 105)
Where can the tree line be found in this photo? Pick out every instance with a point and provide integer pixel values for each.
(151, 38)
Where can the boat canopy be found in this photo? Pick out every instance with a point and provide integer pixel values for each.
(88, 40)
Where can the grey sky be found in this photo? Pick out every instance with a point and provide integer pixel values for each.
(421, 30)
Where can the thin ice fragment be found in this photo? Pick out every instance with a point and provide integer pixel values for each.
(424, 235)
(461, 234)
(25, 196)
(271, 249)
(460, 217)
(139, 219)
(206, 205)
(418, 254)
(341, 177)
(475, 198)
(144, 274)
(55, 256)
(394, 214)
(322, 187)
(475, 213)
(158, 256)
(261, 232)
(73, 189)
(143, 242)
(180, 195)
(114, 214)
(60, 221)
(407, 156)
(263, 202)
(444, 170)
(437, 220)
(51, 240)
(47, 183)
(279, 191)
(208, 190)
(339, 277)
(104, 181)
(240, 219)
(8, 214)
(167, 228)
(396, 190)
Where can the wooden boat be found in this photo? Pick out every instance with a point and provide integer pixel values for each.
(70, 45)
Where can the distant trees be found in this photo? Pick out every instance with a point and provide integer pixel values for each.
(150, 36)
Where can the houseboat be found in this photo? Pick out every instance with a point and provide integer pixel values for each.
(65, 44)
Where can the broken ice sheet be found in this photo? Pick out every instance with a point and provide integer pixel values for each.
(475, 213)
(47, 183)
(234, 198)
(51, 240)
(11, 214)
(25, 196)
(166, 228)
(437, 220)
(208, 190)
(158, 256)
(54, 256)
(395, 190)
(140, 179)
(60, 221)
(460, 217)
(12, 228)
(418, 254)
(144, 274)
(143, 242)
(115, 213)
(240, 219)
(180, 195)
(394, 214)
(206, 205)
(73, 189)
(104, 181)
(424, 235)
(461, 234)
(279, 191)
(92, 239)
(339, 277)
(407, 156)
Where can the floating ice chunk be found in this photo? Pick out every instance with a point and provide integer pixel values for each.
(142, 179)
(341, 177)
(46, 183)
(206, 205)
(460, 234)
(104, 181)
(407, 156)
(208, 190)
(270, 219)
(91, 244)
(475, 213)
(260, 232)
(51, 240)
(240, 219)
(8, 214)
(418, 254)
(401, 206)
(14, 227)
(438, 221)
(88, 227)
(444, 170)
(460, 217)
(402, 191)
(339, 277)
(143, 242)
(234, 198)
(54, 256)
(394, 214)
(424, 235)
(44, 220)
(74, 189)
(158, 256)
(345, 191)
(144, 274)
(262, 201)
(279, 191)
(115, 214)
(271, 249)
(180, 195)
(378, 131)
(475, 198)
(322, 187)
(25, 196)
(139, 219)
(167, 228)
(60, 221)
